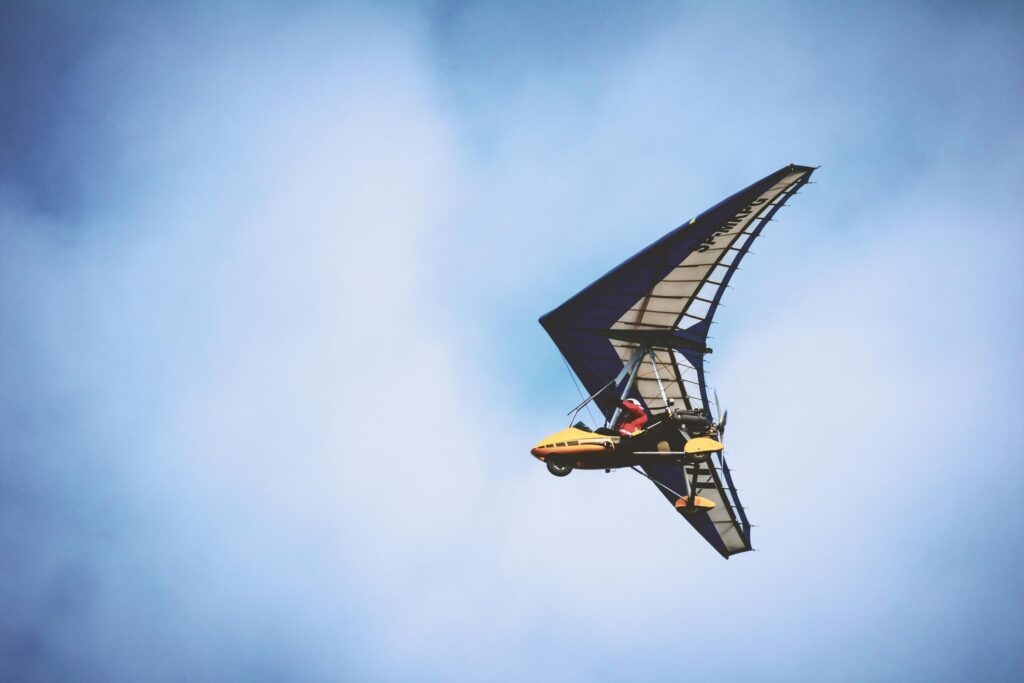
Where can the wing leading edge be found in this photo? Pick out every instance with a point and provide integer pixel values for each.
(665, 297)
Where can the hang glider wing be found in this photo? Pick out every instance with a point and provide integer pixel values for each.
(665, 297)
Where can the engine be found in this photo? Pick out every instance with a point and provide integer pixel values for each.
(695, 422)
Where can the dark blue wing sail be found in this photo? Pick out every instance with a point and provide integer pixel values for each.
(672, 288)
(665, 297)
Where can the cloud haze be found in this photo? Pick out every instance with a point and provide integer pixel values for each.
(270, 367)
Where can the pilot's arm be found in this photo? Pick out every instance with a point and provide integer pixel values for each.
(633, 409)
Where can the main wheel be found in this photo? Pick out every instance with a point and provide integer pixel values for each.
(559, 469)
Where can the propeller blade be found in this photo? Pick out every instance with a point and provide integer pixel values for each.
(720, 417)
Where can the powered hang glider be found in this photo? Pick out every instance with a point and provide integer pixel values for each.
(639, 335)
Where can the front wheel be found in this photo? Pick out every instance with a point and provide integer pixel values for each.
(559, 469)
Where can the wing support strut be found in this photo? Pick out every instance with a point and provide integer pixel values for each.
(657, 376)
(629, 373)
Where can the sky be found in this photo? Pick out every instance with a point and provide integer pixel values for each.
(270, 368)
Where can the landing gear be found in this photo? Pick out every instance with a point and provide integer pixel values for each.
(559, 469)
(697, 504)
(692, 503)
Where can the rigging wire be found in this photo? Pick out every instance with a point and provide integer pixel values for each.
(576, 384)
(655, 481)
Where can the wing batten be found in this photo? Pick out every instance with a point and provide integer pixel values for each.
(753, 235)
(727, 475)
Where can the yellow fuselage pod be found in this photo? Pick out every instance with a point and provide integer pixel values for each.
(574, 441)
(575, 445)
(587, 450)
(591, 451)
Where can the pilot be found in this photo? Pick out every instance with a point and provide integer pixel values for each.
(633, 418)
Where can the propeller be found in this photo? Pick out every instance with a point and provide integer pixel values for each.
(720, 417)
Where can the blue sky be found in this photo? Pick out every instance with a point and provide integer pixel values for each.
(270, 366)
